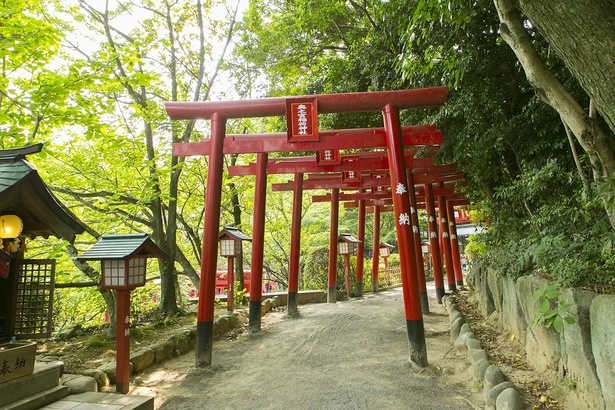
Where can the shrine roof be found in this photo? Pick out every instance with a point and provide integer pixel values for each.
(23, 193)
(122, 246)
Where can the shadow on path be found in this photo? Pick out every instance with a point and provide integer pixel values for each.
(348, 355)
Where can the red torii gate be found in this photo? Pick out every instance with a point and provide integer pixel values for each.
(425, 195)
(358, 162)
(389, 102)
(361, 162)
(440, 252)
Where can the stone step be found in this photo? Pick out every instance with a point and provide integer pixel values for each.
(45, 376)
(102, 401)
(38, 400)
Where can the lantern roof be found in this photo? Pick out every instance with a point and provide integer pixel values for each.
(233, 233)
(346, 237)
(23, 193)
(386, 245)
(122, 246)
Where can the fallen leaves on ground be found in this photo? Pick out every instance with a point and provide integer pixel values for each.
(501, 353)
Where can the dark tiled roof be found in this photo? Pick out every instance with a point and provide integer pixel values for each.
(23, 193)
(346, 237)
(235, 233)
(13, 170)
(122, 246)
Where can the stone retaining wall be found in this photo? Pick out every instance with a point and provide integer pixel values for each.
(582, 355)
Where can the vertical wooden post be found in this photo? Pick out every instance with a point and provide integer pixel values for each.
(230, 281)
(295, 246)
(446, 244)
(347, 274)
(360, 249)
(122, 356)
(418, 253)
(403, 225)
(452, 230)
(434, 243)
(375, 250)
(209, 258)
(332, 276)
(258, 239)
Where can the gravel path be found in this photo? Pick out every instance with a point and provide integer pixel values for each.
(348, 355)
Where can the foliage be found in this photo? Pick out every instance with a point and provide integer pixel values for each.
(240, 297)
(475, 249)
(34, 97)
(569, 383)
(93, 88)
(551, 312)
(394, 259)
(77, 306)
(144, 301)
(316, 270)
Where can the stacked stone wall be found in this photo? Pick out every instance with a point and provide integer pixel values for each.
(582, 355)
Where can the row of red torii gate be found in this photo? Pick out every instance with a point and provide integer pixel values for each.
(388, 178)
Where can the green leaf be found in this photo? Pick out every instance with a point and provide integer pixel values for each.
(558, 324)
(552, 291)
(544, 305)
(549, 313)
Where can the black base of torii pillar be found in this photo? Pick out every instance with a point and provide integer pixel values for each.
(405, 240)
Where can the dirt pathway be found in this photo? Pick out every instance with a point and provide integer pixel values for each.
(348, 355)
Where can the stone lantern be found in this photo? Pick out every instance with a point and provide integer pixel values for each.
(231, 239)
(123, 259)
(346, 246)
(385, 252)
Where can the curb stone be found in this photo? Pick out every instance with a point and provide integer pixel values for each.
(494, 392)
(456, 328)
(493, 377)
(484, 372)
(509, 399)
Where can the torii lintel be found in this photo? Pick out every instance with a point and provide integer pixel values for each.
(327, 103)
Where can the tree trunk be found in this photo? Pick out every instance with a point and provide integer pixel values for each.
(109, 297)
(596, 141)
(577, 161)
(583, 34)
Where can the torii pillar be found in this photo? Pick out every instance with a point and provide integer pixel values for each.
(452, 231)
(418, 253)
(434, 245)
(209, 257)
(401, 206)
(258, 246)
(333, 227)
(445, 243)
(360, 248)
(295, 246)
(375, 245)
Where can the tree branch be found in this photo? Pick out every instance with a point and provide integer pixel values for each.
(577, 162)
